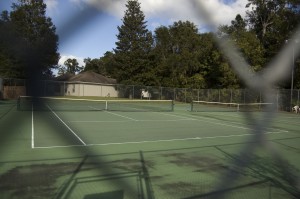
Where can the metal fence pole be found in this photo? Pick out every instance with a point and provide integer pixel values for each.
(174, 94)
(185, 95)
(1, 88)
(298, 97)
(133, 92)
(160, 95)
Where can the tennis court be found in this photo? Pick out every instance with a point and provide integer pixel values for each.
(172, 153)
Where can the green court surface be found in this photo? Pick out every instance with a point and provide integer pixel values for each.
(126, 154)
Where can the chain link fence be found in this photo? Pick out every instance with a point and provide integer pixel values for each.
(285, 98)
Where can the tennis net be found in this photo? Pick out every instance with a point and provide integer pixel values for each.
(205, 106)
(79, 104)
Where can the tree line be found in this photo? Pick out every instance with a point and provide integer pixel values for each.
(177, 55)
(180, 56)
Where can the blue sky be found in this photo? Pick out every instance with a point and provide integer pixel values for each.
(88, 28)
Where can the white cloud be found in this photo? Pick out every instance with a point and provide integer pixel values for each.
(221, 13)
(63, 58)
(51, 5)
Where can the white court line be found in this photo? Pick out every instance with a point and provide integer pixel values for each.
(275, 120)
(67, 126)
(115, 121)
(212, 121)
(155, 141)
(183, 117)
(32, 128)
(121, 116)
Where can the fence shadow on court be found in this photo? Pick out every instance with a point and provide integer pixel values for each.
(280, 174)
(137, 170)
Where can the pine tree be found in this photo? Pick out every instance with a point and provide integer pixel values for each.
(133, 47)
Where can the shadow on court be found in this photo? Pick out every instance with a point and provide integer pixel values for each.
(180, 172)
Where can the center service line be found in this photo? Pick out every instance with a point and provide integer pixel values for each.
(67, 126)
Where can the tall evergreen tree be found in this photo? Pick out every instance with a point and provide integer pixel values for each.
(133, 47)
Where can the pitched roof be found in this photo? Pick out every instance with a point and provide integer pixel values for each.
(88, 76)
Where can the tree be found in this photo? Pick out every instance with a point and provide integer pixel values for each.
(107, 63)
(273, 21)
(104, 65)
(29, 39)
(10, 59)
(185, 58)
(247, 41)
(176, 55)
(92, 65)
(62, 70)
(72, 66)
(133, 47)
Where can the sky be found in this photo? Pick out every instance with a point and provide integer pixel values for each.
(88, 28)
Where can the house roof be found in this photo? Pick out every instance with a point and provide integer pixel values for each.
(88, 76)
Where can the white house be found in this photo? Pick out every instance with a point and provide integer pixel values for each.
(85, 84)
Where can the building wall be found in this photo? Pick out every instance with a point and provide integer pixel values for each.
(85, 89)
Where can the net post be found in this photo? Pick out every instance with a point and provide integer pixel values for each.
(238, 108)
(106, 105)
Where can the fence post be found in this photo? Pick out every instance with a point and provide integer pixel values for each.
(277, 100)
(260, 97)
(174, 94)
(208, 95)
(298, 98)
(185, 95)
(64, 91)
(133, 92)
(1, 88)
(160, 92)
(270, 190)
